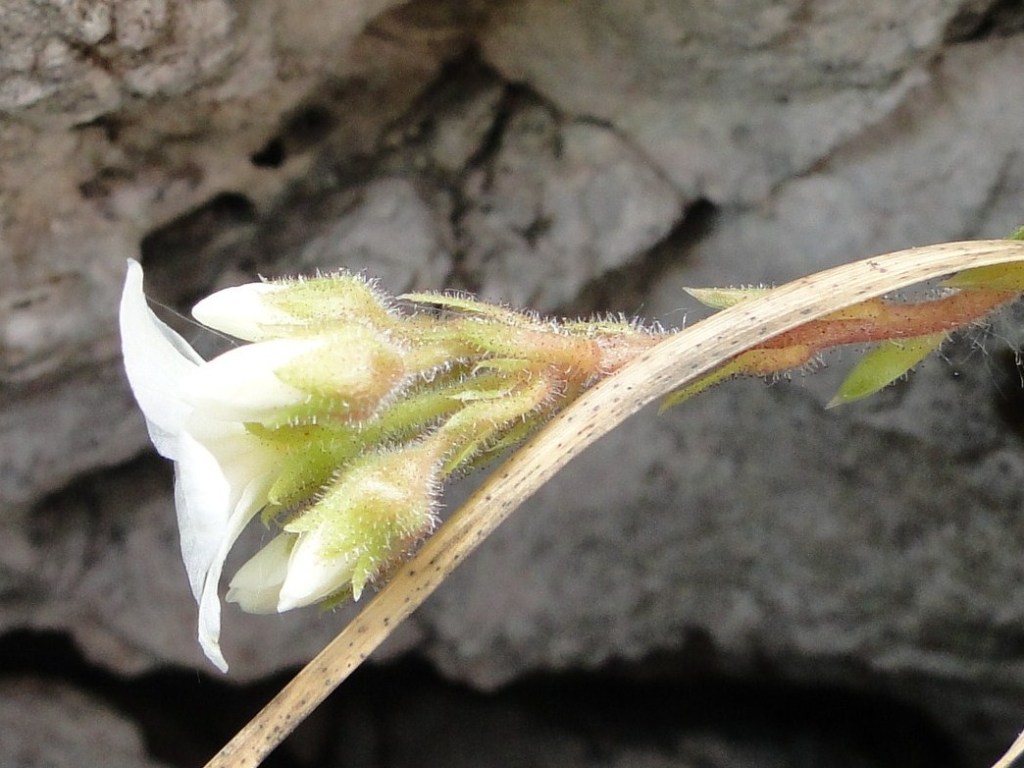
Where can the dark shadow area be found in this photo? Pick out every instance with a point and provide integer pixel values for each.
(404, 714)
(1000, 18)
(300, 130)
(309, 125)
(1007, 371)
(184, 716)
(271, 155)
(624, 290)
(181, 257)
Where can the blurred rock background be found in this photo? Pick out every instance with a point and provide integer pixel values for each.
(748, 580)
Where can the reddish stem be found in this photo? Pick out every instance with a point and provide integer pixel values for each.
(878, 320)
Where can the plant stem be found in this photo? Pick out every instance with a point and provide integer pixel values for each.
(679, 359)
(1013, 754)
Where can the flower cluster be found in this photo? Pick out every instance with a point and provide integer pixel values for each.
(346, 411)
(339, 421)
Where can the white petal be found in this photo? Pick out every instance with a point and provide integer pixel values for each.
(202, 500)
(257, 584)
(312, 576)
(222, 480)
(242, 312)
(157, 361)
(209, 602)
(241, 383)
(240, 455)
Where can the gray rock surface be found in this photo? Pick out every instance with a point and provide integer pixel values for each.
(559, 206)
(100, 561)
(51, 725)
(731, 98)
(543, 154)
(726, 550)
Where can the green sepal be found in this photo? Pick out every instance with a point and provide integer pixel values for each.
(310, 454)
(465, 304)
(723, 298)
(474, 429)
(373, 512)
(333, 301)
(995, 277)
(883, 365)
(608, 327)
(511, 437)
(313, 453)
(734, 367)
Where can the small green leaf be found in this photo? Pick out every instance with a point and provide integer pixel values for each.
(999, 277)
(723, 298)
(883, 365)
(995, 277)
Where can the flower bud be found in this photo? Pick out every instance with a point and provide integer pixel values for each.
(262, 311)
(332, 300)
(242, 384)
(359, 529)
(379, 508)
(316, 571)
(246, 312)
(350, 372)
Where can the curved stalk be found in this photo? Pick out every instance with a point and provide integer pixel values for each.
(679, 359)
(1013, 754)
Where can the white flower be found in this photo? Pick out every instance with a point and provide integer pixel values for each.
(193, 411)
(244, 313)
(332, 420)
(292, 571)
